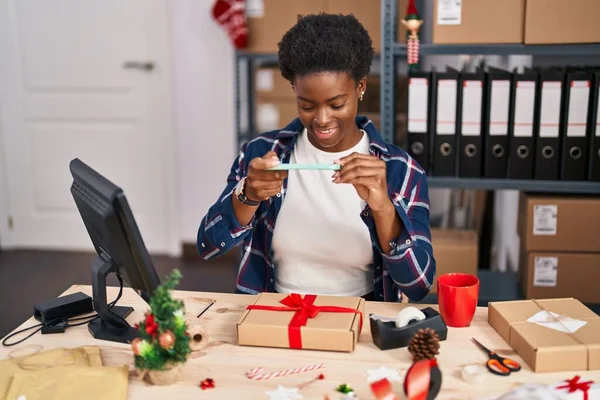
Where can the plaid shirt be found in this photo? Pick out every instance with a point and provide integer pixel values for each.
(409, 268)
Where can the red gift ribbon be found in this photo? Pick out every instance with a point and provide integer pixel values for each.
(574, 385)
(305, 309)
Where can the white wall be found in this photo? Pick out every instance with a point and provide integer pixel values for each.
(4, 43)
(204, 113)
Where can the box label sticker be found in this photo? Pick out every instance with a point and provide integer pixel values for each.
(544, 219)
(558, 322)
(265, 80)
(545, 271)
(255, 8)
(449, 12)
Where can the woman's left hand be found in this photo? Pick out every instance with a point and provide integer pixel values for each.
(367, 174)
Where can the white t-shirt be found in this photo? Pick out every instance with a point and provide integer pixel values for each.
(320, 243)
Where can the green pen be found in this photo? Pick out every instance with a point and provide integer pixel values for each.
(313, 167)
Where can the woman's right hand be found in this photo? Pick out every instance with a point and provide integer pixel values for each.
(262, 184)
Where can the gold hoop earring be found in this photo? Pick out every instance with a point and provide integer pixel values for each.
(361, 95)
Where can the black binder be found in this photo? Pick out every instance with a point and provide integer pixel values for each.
(549, 126)
(496, 121)
(419, 116)
(444, 123)
(522, 139)
(594, 167)
(470, 114)
(575, 119)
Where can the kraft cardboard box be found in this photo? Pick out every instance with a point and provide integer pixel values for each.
(557, 21)
(550, 335)
(454, 250)
(560, 274)
(272, 114)
(478, 21)
(332, 331)
(269, 84)
(559, 223)
(268, 20)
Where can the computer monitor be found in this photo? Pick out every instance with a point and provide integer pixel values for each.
(119, 247)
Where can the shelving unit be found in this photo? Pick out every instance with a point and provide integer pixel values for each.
(391, 52)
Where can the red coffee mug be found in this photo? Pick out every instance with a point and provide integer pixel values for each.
(457, 298)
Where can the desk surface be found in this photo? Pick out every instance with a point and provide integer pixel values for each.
(227, 363)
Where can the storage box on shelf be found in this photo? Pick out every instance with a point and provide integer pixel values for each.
(557, 21)
(560, 247)
(478, 21)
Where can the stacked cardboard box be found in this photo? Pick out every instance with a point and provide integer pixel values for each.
(560, 247)
(455, 250)
(275, 100)
(515, 21)
(557, 21)
(269, 20)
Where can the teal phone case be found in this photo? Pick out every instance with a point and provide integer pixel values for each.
(314, 167)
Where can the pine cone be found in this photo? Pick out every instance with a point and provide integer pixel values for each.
(424, 345)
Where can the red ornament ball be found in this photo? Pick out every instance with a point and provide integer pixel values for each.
(208, 383)
(167, 340)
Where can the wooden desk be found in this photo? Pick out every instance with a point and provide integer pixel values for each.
(227, 363)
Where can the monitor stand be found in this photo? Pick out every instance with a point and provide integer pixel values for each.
(111, 324)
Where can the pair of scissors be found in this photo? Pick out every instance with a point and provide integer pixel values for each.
(499, 365)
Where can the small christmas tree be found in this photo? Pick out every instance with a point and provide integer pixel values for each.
(163, 340)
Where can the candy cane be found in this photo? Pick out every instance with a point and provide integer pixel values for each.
(258, 373)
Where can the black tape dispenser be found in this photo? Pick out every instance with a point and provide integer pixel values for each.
(391, 333)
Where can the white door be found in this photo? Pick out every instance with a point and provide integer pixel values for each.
(87, 79)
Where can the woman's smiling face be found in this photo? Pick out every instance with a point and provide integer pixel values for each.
(327, 107)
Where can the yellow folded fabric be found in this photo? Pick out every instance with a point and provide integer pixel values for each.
(71, 382)
(82, 356)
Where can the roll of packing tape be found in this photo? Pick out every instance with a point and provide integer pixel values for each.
(474, 373)
(408, 315)
(198, 337)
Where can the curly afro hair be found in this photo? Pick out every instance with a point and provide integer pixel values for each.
(326, 43)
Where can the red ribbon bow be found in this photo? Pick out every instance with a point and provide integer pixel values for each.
(574, 385)
(305, 309)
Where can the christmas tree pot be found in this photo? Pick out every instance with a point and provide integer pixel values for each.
(387, 336)
(167, 376)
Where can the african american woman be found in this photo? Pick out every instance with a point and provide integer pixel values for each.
(362, 230)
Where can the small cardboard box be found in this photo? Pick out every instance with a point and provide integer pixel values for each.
(559, 223)
(567, 340)
(332, 331)
(560, 274)
(269, 20)
(269, 84)
(478, 21)
(455, 250)
(544, 19)
(273, 114)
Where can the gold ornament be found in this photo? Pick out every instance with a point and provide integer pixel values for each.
(135, 346)
(167, 340)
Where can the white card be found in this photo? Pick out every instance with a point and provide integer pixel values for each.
(556, 321)
(545, 218)
(545, 271)
(449, 12)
